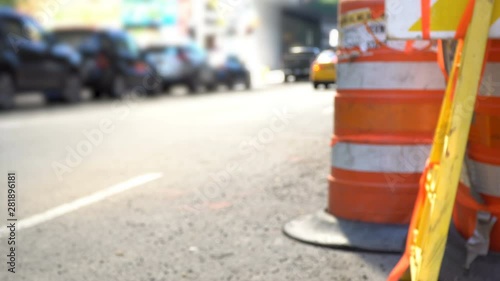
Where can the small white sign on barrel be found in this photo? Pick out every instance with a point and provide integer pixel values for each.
(404, 18)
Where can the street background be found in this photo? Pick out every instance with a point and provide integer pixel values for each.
(178, 185)
(181, 226)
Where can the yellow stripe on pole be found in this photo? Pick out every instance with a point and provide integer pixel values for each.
(433, 220)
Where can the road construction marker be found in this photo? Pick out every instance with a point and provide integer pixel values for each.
(385, 112)
(82, 202)
(428, 233)
(440, 21)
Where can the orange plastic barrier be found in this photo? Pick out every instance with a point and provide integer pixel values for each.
(484, 152)
(389, 95)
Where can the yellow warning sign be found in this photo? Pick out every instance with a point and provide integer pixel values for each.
(428, 232)
(404, 18)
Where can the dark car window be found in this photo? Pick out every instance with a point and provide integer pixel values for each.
(33, 31)
(14, 32)
(12, 27)
(308, 54)
(126, 45)
(92, 42)
(170, 51)
(106, 43)
(155, 54)
(20, 31)
(75, 38)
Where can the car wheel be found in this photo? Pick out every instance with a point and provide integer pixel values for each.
(212, 87)
(316, 85)
(71, 93)
(8, 90)
(207, 78)
(231, 85)
(118, 87)
(248, 83)
(193, 86)
(154, 84)
(156, 90)
(166, 88)
(97, 94)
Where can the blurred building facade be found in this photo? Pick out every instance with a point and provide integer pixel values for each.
(55, 13)
(259, 31)
(270, 28)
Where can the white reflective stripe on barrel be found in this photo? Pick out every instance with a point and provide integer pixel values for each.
(490, 85)
(485, 177)
(380, 158)
(390, 75)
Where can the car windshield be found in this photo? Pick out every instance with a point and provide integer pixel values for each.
(159, 50)
(26, 29)
(12, 27)
(73, 38)
(155, 50)
(327, 57)
(126, 45)
(33, 30)
(157, 53)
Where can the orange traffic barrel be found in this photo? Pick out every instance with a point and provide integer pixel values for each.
(484, 154)
(388, 100)
(387, 105)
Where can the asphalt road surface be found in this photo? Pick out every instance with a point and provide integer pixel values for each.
(176, 187)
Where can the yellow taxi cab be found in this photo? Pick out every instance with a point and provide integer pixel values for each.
(324, 69)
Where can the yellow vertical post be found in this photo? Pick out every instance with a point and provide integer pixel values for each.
(433, 220)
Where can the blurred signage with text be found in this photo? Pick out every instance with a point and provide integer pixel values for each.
(140, 13)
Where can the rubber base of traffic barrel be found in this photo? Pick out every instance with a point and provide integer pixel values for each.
(484, 268)
(323, 229)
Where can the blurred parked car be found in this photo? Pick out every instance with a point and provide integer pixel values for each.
(111, 61)
(232, 71)
(297, 62)
(185, 64)
(324, 69)
(31, 60)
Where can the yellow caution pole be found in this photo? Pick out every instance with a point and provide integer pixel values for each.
(430, 226)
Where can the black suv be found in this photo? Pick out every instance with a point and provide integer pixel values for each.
(31, 60)
(112, 62)
(233, 71)
(297, 62)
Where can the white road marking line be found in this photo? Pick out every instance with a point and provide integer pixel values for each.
(82, 202)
